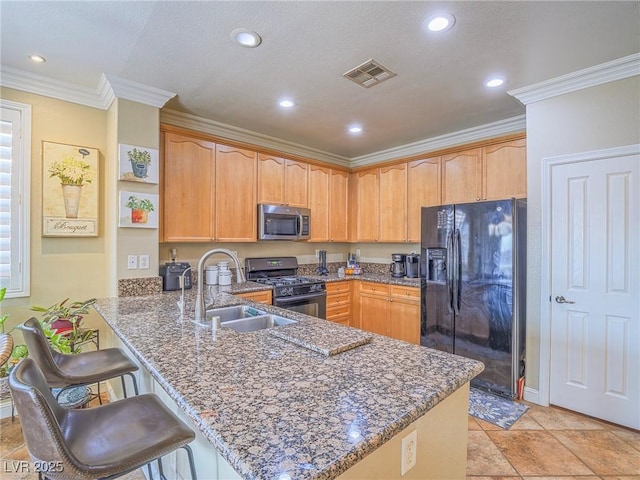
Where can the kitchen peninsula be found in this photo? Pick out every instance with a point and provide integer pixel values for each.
(264, 407)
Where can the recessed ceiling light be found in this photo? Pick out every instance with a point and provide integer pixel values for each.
(440, 23)
(37, 58)
(286, 103)
(246, 38)
(355, 129)
(494, 82)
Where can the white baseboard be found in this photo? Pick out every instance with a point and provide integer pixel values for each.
(532, 395)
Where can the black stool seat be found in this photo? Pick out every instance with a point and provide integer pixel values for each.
(62, 371)
(100, 442)
(90, 367)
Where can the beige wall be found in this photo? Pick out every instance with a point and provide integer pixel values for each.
(591, 119)
(61, 267)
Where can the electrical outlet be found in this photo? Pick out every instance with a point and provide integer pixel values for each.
(144, 262)
(317, 253)
(132, 262)
(357, 253)
(409, 452)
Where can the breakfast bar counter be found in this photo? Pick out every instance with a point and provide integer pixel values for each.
(309, 400)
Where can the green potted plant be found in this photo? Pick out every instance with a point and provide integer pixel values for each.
(140, 160)
(73, 174)
(140, 209)
(61, 324)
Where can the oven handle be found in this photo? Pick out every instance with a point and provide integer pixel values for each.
(297, 298)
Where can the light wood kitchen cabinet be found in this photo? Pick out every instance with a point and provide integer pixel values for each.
(236, 211)
(505, 170)
(392, 182)
(328, 203)
(319, 203)
(390, 310)
(262, 296)
(493, 172)
(462, 176)
(367, 208)
(339, 302)
(423, 190)
(338, 206)
(188, 189)
(282, 181)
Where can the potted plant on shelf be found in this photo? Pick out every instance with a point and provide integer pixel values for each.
(61, 324)
(140, 160)
(73, 174)
(140, 209)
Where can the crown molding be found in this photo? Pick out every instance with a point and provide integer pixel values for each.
(218, 129)
(618, 69)
(109, 88)
(48, 87)
(136, 92)
(481, 132)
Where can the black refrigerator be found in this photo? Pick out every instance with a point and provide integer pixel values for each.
(473, 287)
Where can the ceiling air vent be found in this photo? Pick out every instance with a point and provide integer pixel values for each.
(368, 74)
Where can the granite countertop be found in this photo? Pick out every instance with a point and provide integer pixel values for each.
(370, 277)
(272, 407)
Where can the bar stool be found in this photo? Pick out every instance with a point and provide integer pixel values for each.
(107, 441)
(66, 371)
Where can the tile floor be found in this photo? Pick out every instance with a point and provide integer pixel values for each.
(545, 444)
(552, 444)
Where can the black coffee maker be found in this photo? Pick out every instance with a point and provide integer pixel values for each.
(397, 267)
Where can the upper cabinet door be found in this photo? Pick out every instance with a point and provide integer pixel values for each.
(393, 203)
(423, 190)
(295, 183)
(505, 170)
(188, 189)
(236, 183)
(367, 209)
(282, 182)
(462, 176)
(338, 210)
(270, 179)
(319, 203)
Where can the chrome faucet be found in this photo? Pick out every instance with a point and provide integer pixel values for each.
(200, 307)
(182, 302)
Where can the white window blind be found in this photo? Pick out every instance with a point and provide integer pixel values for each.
(15, 129)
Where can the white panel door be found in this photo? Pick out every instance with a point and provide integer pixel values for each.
(595, 285)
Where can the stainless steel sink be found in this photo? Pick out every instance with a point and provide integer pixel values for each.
(244, 318)
(252, 324)
(234, 313)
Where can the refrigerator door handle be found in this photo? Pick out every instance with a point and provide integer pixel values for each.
(457, 274)
(449, 267)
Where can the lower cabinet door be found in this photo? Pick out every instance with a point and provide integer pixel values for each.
(404, 321)
(373, 314)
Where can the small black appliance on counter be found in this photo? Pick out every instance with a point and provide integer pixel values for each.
(171, 272)
(412, 265)
(397, 267)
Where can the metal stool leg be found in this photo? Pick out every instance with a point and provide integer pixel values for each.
(192, 465)
(133, 380)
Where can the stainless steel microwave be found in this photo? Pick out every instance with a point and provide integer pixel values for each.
(279, 222)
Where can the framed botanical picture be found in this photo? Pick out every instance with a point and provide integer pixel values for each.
(138, 164)
(69, 190)
(138, 210)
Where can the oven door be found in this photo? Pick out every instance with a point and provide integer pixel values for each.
(314, 304)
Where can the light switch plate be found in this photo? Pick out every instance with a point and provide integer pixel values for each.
(132, 262)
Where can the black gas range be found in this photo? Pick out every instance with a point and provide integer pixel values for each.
(290, 291)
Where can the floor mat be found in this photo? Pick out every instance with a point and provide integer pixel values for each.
(497, 410)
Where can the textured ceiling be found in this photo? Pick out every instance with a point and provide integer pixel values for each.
(185, 47)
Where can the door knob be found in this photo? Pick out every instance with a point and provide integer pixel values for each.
(561, 299)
